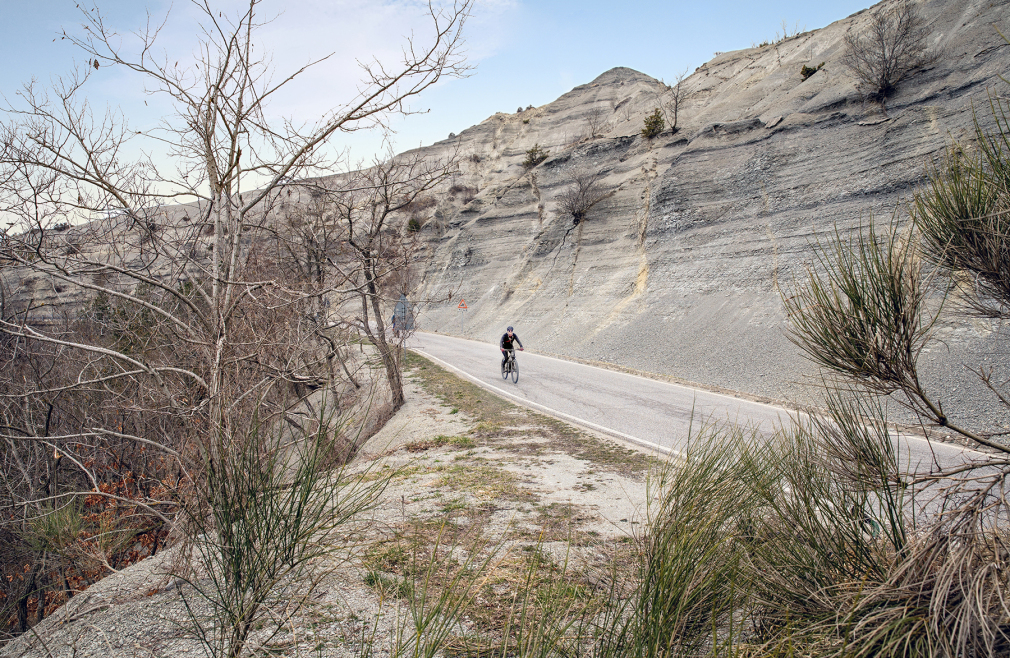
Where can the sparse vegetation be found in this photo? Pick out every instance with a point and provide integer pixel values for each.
(671, 105)
(654, 124)
(487, 413)
(535, 156)
(788, 33)
(466, 193)
(807, 71)
(894, 47)
(780, 35)
(420, 203)
(596, 118)
(583, 191)
(458, 442)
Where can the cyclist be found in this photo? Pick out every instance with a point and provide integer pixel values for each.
(505, 345)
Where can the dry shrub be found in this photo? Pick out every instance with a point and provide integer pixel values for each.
(582, 193)
(894, 47)
(466, 193)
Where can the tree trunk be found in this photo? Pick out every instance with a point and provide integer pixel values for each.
(26, 593)
(378, 337)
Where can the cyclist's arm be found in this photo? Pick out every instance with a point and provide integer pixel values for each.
(515, 337)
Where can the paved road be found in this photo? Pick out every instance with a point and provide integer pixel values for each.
(645, 411)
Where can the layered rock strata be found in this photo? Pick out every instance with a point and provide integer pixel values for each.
(680, 270)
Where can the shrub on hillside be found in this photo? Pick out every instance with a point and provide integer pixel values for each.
(654, 124)
(582, 193)
(467, 193)
(535, 156)
(890, 51)
(808, 71)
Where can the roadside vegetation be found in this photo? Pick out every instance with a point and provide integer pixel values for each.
(499, 422)
(217, 341)
(208, 389)
(817, 542)
(813, 542)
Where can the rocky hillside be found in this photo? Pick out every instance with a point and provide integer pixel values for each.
(680, 269)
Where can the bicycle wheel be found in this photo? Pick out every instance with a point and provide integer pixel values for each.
(515, 371)
(505, 370)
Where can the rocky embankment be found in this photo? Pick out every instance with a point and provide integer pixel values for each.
(680, 270)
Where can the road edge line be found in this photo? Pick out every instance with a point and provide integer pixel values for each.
(552, 412)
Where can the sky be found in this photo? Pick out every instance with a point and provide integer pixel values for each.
(523, 52)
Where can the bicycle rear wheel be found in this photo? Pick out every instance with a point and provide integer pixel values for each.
(505, 370)
(515, 371)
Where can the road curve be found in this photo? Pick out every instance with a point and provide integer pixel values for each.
(651, 413)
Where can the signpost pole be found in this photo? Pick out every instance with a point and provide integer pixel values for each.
(462, 309)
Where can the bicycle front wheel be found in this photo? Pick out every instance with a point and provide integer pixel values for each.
(515, 371)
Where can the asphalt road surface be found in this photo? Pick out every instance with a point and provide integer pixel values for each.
(651, 413)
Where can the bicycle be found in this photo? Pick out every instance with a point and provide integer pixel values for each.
(510, 367)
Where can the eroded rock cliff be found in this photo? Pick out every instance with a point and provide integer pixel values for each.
(680, 270)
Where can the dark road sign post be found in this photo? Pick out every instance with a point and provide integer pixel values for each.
(404, 314)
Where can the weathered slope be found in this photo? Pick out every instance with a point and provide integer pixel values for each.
(679, 270)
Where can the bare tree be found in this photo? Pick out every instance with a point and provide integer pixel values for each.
(671, 104)
(584, 191)
(894, 46)
(195, 324)
(380, 247)
(596, 119)
(77, 501)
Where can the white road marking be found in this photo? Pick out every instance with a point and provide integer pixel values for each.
(552, 412)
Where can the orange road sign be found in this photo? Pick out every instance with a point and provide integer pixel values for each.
(462, 305)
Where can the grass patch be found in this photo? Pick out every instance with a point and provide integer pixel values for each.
(557, 522)
(389, 586)
(458, 442)
(486, 483)
(387, 471)
(455, 505)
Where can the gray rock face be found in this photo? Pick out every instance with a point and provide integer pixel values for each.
(680, 270)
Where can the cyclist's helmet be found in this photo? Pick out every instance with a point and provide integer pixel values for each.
(509, 329)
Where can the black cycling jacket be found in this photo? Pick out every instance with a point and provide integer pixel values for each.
(506, 342)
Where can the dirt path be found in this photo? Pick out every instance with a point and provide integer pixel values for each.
(458, 446)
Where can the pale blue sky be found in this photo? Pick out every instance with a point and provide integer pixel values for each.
(525, 52)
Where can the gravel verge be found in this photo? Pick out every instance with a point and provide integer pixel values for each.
(463, 467)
